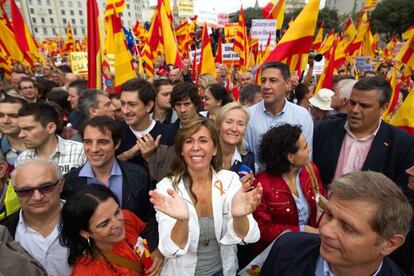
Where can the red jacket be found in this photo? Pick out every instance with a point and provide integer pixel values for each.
(277, 211)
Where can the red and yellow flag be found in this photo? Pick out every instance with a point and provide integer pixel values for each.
(95, 45)
(362, 29)
(219, 52)
(370, 5)
(297, 41)
(406, 53)
(206, 64)
(327, 43)
(70, 42)
(116, 43)
(9, 44)
(241, 42)
(326, 79)
(317, 43)
(275, 9)
(404, 116)
(396, 87)
(23, 35)
(146, 57)
(349, 32)
(169, 40)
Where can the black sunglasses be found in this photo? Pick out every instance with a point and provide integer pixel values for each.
(44, 189)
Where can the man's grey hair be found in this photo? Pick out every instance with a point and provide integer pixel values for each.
(88, 99)
(394, 211)
(344, 88)
(37, 160)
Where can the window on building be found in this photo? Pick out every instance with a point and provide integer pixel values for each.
(52, 21)
(71, 12)
(45, 31)
(63, 12)
(70, 4)
(42, 20)
(49, 11)
(36, 30)
(48, 2)
(82, 21)
(39, 2)
(64, 21)
(75, 32)
(34, 20)
(79, 4)
(73, 21)
(80, 12)
(54, 31)
(83, 31)
(31, 10)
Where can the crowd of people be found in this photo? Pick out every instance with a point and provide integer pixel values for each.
(175, 176)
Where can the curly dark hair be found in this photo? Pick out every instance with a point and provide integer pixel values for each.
(275, 146)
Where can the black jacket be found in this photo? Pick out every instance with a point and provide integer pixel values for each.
(296, 254)
(391, 152)
(136, 184)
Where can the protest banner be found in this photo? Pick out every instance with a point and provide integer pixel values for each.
(228, 55)
(363, 64)
(185, 8)
(79, 62)
(260, 30)
(223, 19)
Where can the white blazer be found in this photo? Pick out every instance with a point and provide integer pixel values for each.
(182, 262)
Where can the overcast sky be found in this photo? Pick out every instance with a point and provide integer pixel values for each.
(225, 6)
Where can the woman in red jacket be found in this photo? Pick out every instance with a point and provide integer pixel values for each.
(288, 201)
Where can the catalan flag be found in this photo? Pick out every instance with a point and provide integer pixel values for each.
(370, 5)
(241, 43)
(362, 29)
(70, 42)
(317, 43)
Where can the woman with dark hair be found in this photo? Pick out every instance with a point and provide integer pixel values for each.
(100, 236)
(302, 95)
(291, 184)
(203, 211)
(216, 96)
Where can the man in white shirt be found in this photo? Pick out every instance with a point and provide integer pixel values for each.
(38, 184)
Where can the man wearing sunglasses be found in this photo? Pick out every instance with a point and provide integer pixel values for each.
(38, 184)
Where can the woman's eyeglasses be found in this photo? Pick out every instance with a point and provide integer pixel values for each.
(43, 189)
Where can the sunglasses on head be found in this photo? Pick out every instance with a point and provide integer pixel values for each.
(43, 189)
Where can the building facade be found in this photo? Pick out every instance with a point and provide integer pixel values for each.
(48, 18)
(346, 6)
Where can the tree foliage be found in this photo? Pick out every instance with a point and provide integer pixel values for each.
(392, 17)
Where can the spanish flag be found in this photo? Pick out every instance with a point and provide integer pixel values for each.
(297, 41)
(276, 11)
(206, 64)
(9, 44)
(95, 44)
(116, 44)
(317, 43)
(169, 40)
(23, 35)
(406, 53)
(396, 87)
(404, 117)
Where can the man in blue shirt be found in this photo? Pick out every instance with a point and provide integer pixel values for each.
(367, 218)
(274, 109)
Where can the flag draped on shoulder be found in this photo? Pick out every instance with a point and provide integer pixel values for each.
(296, 43)
(24, 38)
(275, 9)
(116, 43)
(206, 64)
(95, 44)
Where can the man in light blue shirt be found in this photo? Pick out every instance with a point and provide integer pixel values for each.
(274, 109)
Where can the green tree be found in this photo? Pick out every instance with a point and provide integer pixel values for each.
(330, 17)
(392, 17)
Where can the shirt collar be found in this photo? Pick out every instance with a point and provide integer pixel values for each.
(349, 131)
(285, 106)
(236, 156)
(328, 272)
(5, 145)
(87, 170)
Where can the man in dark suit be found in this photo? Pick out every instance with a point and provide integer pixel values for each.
(362, 141)
(129, 182)
(366, 219)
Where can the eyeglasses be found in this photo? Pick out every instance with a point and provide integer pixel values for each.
(44, 188)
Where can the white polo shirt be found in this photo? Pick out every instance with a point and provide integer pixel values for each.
(46, 250)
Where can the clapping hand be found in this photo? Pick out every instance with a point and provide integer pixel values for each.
(247, 177)
(147, 145)
(172, 205)
(246, 200)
